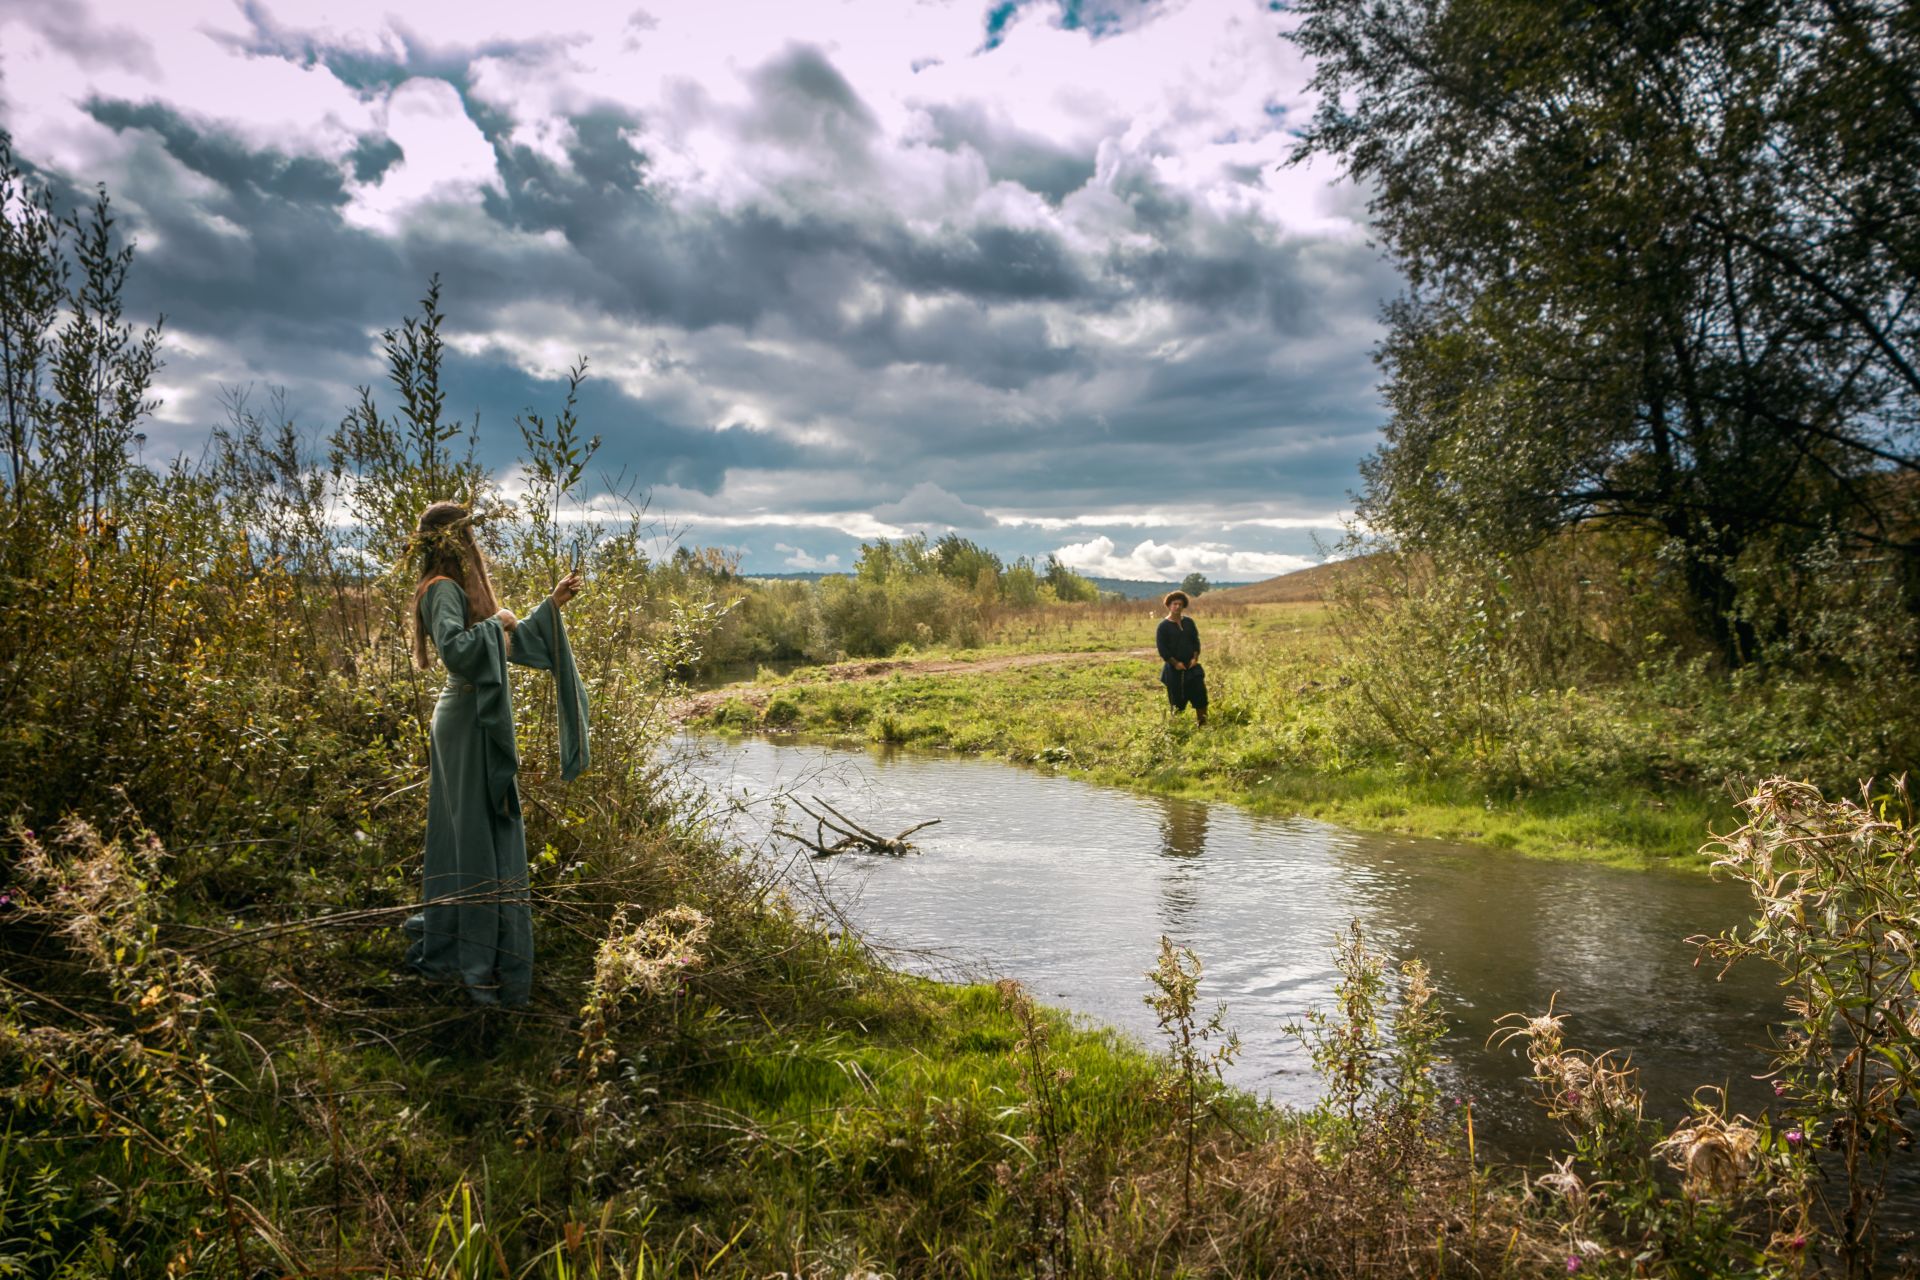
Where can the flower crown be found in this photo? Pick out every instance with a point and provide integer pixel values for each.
(449, 538)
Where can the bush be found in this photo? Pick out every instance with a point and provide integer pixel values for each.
(734, 713)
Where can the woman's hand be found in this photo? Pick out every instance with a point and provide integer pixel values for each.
(567, 588)
(507, 619)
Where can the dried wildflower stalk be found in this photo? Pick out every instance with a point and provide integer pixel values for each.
(143, 1076)
(1836, 893)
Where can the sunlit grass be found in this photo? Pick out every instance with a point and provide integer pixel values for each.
(1281, 737)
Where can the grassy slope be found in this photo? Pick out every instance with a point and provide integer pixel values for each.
(1274, 743)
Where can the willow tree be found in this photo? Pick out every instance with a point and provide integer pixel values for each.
(1661, 260)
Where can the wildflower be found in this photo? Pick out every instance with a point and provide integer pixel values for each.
(1564, 1182)
(1795, 1137)
(1779, 1089)
(1798, 1242)
(1573, 1265)
(1714, 1152)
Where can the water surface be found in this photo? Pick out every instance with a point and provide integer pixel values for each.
(1068, 886)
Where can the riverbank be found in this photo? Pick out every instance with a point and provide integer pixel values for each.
(742, 1092)
(1279, 741)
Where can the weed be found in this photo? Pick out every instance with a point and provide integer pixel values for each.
(1199, 1051)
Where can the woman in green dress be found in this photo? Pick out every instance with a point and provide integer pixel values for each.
(476, 928)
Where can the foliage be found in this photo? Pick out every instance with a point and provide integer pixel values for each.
(1658, 258)
(1067, 586)
(1049, 1188)
(137, 1074)
(557, 460)
(389, 470)
(1717, 1195)
(74, 374)
(1377, 1086)
(1199, 1050)
(1835, 911)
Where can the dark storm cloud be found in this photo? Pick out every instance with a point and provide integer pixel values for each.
(420, 55)
(288, 272)
(801, 100)
(1011, 154)
(685, 454)
(735, 267)
(987, 262)
(847, 309)
(248, 175)
(1003, 352)
(373, 156)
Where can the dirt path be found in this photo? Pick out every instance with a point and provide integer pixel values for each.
(700, 704)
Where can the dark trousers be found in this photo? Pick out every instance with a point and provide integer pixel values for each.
(1183, 687)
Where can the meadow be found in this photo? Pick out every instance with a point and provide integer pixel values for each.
(1289, 732)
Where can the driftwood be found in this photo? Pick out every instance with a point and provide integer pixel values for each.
(840, 834)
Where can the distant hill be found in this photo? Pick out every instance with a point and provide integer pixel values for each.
(1289, 588)
(1131, 588)
(1139, 589)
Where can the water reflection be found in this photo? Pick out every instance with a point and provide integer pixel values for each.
(1183, 838)
(1606, 949)
(1068, 887)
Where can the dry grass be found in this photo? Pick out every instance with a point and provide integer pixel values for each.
(1299, 587)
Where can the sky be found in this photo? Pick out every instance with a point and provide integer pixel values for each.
(1032, 270)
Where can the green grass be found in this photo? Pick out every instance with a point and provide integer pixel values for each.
(1281, 740)
(872, 1127)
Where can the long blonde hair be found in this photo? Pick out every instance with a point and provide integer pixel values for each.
(444, 547)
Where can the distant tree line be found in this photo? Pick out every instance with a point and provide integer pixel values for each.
(964, 561)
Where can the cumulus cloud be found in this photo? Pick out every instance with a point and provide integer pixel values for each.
(927, 505)
(833, 264)
(1157, 561)
(806, 561)
(433, 152)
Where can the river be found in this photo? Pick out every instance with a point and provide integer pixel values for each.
(1068, 886)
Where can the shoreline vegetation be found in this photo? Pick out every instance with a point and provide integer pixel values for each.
(1070, 690)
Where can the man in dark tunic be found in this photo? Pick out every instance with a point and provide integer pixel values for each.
(1178, 641)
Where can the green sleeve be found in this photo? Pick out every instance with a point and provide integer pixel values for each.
(540, 641)
(469, 651)
(477, 655)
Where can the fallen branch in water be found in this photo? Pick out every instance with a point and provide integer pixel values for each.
(851, 835)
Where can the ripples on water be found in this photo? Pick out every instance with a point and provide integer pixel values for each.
(1068, 886)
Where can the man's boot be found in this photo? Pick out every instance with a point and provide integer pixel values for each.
(1200, 717)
